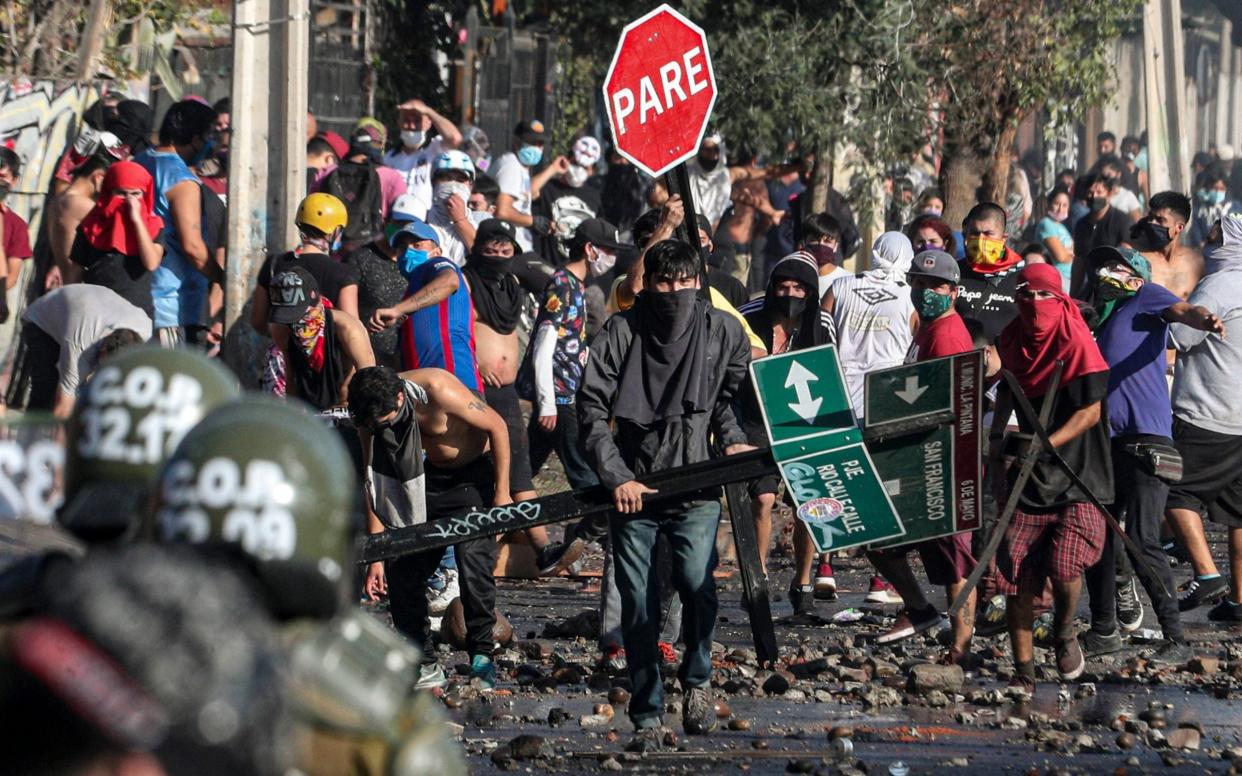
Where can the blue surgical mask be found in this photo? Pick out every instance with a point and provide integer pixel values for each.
(1216, 197)
(530, 155)
(411, 260)
(336, 242)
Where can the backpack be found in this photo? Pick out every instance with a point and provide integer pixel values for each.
(357, 184)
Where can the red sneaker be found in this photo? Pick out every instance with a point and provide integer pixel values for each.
(613, 659)
(668, 654)
(882, 592)
(825, 583)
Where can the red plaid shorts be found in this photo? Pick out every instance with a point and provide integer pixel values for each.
(1059, 545)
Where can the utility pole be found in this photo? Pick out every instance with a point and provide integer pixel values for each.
(267, 155)
(1165, 89)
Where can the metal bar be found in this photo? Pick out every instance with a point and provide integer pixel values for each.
(560, 507)
(757, 602)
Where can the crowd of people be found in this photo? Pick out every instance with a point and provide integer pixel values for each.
(455, 319)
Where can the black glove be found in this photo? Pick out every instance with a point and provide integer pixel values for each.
(541, 224)
(4, 307)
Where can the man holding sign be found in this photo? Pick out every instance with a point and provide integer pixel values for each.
(666, 372)
(933, 278)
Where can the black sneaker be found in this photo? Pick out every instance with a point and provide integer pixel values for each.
(1094, 644)
(1226, 611)
(698, 715)
(802, 597)
(1129, 606)
(554, 556)
(1173, 653)
(1202, 591)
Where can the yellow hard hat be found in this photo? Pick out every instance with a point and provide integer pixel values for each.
(323, 212)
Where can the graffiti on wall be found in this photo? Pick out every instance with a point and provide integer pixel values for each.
(39, 119)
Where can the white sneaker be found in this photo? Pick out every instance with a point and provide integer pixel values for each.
(438, 601)
(431, 677)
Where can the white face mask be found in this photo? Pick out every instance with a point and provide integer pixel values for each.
(442, 191)
(413, 138)
(602, 262)
(576, 176)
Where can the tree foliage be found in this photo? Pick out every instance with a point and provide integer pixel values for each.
(43, 38)
(879, 77)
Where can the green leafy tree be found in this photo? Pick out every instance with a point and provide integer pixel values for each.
(1001, 62)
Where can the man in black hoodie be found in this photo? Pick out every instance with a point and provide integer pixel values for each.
(666, 372)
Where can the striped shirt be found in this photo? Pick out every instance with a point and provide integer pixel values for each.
(442, 335)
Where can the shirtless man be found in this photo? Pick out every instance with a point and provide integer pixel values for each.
(399, 418)
(1177, 267)
(496, 297)
(65, 211)
(750, 203)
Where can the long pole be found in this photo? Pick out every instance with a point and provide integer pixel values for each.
(266, 153)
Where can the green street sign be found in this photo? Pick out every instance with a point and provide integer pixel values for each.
(908, 393)
(838, 495)
(802, 393)
(934, 476)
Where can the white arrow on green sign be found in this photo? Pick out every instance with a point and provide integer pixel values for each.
(802, 393)
(934, 475)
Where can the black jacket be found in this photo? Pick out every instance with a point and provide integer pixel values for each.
(636, 450)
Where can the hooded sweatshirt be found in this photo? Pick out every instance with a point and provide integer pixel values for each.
(871, 314)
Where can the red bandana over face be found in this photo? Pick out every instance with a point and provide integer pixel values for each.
(1047, 331)
(108, 227)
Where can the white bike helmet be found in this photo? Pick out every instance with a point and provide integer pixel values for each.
(453, 160)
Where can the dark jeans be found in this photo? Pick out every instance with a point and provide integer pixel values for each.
(450, 492)
(1140, 505)
(691, 532)
(566, 440)
(42, 359)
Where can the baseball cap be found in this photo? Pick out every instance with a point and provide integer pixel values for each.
(421, 230)
(404, 208)
(936, 264)
(586, 151)
(531, 131)
(1106, 254)
(292, 292)
(599, 232)
(495, 229)
(374, 129)
(339, 146)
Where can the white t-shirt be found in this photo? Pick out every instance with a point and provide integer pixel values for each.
(513, 178)
(415, 167)
(871, 318)
(826, 281)
(78, 316)
(450, 241)
(711, 189)
(1124, 200)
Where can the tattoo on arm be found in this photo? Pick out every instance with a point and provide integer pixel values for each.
(477, 406)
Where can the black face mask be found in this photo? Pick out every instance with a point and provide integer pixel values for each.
(4, 191)
(708, 163)
(671, 311)
(499, 264)
(1152, 234)
(790, 307)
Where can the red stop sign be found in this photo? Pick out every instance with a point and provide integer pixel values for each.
(660, 90)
